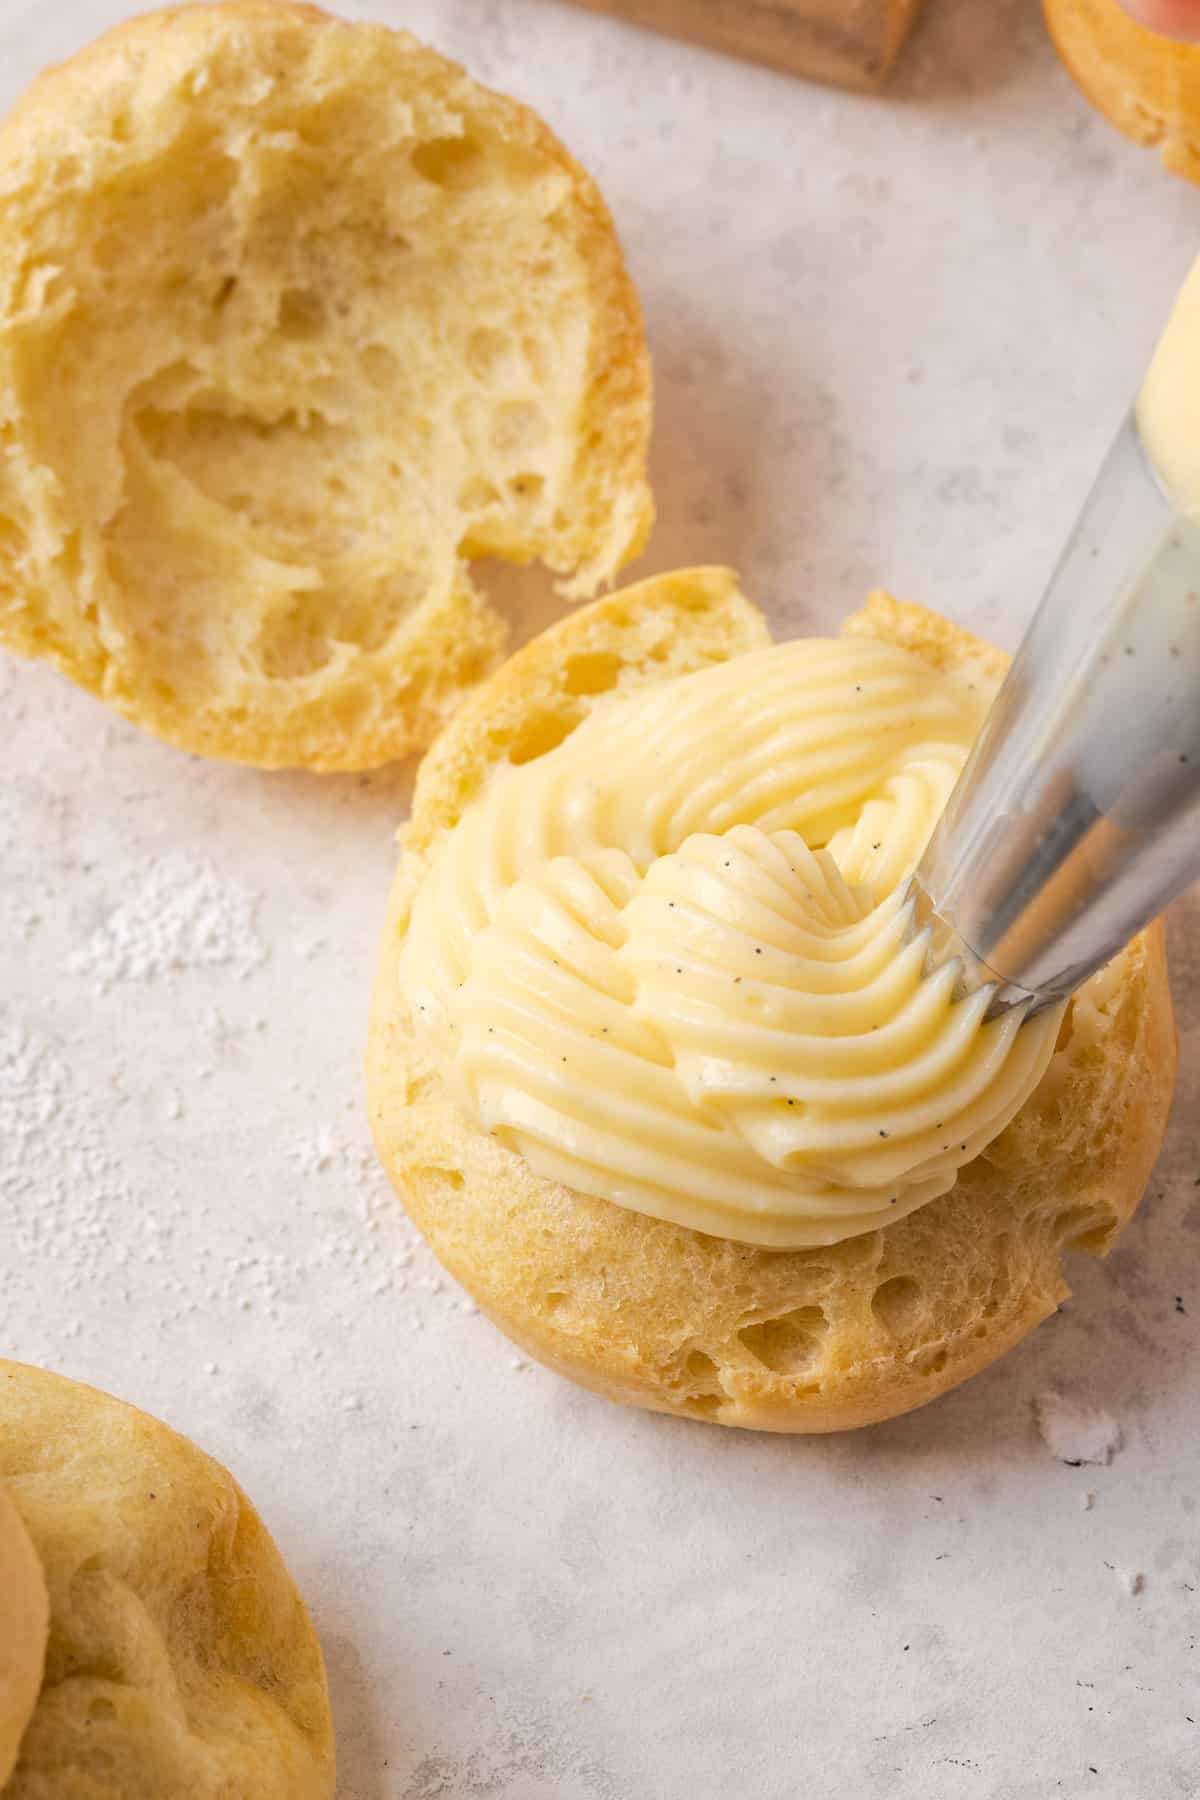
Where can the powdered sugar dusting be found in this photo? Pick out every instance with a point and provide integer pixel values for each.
(182, 915)
(1076, 1433)
(60, 1184)
(314, 1154)
(31, 1087)
(67, 1204)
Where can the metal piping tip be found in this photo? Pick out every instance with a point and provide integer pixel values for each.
(1077, 816)
(944, 945)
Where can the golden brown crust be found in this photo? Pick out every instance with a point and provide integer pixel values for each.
(1148, 86)
(376, 362)
(658, 1316)
(181, 1664)
(24, 1627)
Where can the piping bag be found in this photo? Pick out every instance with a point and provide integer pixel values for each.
(1077, 816)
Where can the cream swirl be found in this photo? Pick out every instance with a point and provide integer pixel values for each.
(670, 962)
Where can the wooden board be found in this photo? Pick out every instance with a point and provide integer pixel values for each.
(852, 43)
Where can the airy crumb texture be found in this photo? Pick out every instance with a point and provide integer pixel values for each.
(659, 1316)
(1147, 85)
(296, 320)
(181, 1663)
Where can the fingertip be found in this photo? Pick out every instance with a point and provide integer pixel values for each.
(1170, 18)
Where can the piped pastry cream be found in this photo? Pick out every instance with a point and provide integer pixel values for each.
(1168, 407)
(671, 961)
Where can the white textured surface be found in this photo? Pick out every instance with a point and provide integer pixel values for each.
(892, 340)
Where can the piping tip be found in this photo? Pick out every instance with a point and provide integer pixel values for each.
(945, 945)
